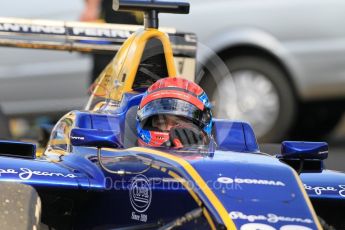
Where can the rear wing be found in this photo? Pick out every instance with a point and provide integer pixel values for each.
(89, 38)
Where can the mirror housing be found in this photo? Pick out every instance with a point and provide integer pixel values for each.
(304, 156)
(95, 138)
(304, 150)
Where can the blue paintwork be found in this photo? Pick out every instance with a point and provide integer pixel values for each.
(326, 185)
(304, 150)
(41, 173)
(235, 136)
(250, 198)
(95, 138)
(98, 121)
(248, 183)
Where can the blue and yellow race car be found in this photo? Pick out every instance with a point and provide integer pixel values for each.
(93, 175)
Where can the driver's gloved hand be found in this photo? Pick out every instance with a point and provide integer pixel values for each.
(184, 136)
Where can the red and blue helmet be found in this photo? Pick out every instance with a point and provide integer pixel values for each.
(177, 97)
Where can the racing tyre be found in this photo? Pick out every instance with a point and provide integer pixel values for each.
(20, 207)
(4, 127)
(264, 96)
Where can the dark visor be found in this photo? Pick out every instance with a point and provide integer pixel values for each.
(172, 106)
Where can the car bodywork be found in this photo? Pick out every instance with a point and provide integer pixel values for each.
(92, 175)
(235, 185)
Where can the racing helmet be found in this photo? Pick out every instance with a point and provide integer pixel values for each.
(182, 100)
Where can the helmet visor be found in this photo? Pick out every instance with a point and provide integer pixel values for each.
(172, 106)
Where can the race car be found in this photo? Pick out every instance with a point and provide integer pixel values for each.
(93, 175)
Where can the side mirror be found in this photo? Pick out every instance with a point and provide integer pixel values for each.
(304, 156)
(95, 138)
(304, 150)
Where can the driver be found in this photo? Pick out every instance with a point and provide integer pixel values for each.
(174, 112)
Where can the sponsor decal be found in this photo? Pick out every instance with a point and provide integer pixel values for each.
(319, 190)
(180, 41)
(77, 138)
(270, 218)
(24, 28)
(26, 174)
(62, 30)
(322, 152)
(228, 180)
(140, 195)
(139, 217)
(99, 32)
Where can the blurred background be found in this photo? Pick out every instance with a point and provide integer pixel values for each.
(286, 58)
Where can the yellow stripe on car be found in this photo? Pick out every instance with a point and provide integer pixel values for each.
(195, 197)
(222, 212)
(306, 198)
